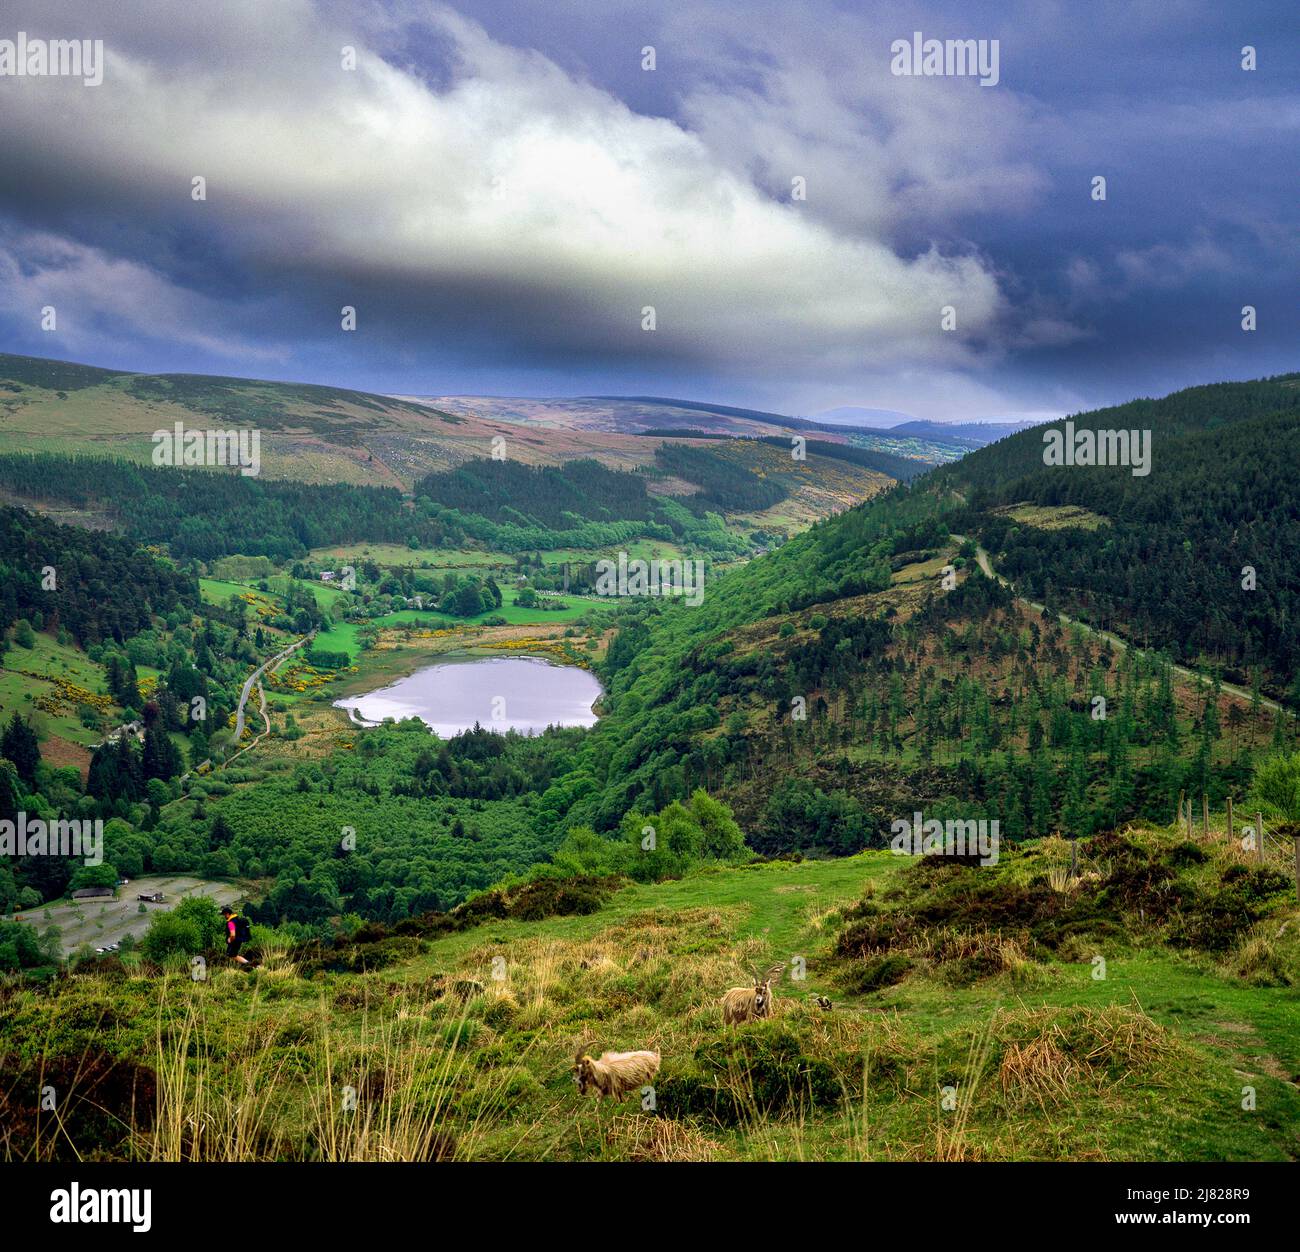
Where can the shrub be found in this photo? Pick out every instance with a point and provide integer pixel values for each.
(23, 947)
(761, 1071)
(873, 975)
(194, 926)
(1276, 788)
(1186, 853)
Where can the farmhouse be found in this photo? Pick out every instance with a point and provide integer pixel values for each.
(134, 730)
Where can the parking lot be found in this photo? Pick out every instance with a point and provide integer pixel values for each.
(101, 922)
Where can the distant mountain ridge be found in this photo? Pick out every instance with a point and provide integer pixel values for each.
(977, 434)
(856, 415)
(883, 430)
(314, 433)
(92, 426)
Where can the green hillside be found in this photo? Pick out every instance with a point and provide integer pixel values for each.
(853, 619)
(1013, 1012)
(1197, 555)
(441, 924)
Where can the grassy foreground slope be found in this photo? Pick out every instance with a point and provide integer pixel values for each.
(973, 1019)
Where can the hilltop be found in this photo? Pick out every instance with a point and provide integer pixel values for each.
(925, 444)
(310, 433)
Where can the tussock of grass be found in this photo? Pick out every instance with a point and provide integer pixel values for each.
(1015, 917)
(1047, 1054)
(637, 1137)
(1270, 957)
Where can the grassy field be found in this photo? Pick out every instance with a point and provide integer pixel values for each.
(341, 637)
(29, 676)
(219, 590)
(396, 554)
(467, 559)
(985, 1046)
(326, 597)
(575, 607)
(1057, 517)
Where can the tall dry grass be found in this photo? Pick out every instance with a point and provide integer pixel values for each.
(378, 1093)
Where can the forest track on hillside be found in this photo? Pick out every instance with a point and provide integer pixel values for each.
(986, 565)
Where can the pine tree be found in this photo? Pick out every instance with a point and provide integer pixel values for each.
(160, 758)
(18, 744)
(1121, 787)
(1040, 798)
(9, 790)
(1075, 814)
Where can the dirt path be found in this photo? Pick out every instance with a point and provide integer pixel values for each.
(982, 557)
(266, 727)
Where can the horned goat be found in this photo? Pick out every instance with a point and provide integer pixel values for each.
(746, 1004)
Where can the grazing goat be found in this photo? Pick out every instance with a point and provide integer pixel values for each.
(616, 1073)
(745, 1004)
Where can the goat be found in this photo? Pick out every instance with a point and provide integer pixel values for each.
(745, 1004)
(615, 1074)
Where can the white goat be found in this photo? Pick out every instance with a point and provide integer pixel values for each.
(616, 1073)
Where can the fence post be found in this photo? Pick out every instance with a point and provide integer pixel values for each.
(1259, 833)
(1229, 819)
(1205, 815)
(1181, 794)
(1297, 867)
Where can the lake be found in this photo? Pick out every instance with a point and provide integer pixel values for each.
(520, 693)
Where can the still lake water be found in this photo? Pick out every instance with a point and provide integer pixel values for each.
(526, 694)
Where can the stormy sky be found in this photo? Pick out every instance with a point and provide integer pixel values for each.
(500, 188)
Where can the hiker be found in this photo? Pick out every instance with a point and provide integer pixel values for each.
(238, 933)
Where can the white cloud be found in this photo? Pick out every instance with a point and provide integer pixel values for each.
(532, 196)
(1170, 265)
(890, 154)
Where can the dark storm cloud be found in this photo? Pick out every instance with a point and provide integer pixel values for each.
(499, 191)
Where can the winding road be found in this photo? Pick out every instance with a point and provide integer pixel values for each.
(982, 557)
(253, 678)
